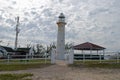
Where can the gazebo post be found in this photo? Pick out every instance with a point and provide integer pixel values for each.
(83, 56)
(91, 54)
(100, 57)
(97, 52)
(103, 53)
(97, 55)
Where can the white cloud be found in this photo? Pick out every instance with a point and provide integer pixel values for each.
(96, 21)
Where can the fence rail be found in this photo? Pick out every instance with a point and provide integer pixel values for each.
(24, 59)
(37, 58)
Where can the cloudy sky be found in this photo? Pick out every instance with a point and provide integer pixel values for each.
(96, 21)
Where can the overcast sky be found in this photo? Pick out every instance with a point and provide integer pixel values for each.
(96, 21)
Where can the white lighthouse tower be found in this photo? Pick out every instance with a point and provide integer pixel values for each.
(61, 37)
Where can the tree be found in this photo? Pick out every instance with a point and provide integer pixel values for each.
(28, 45)
(50, 47)
(68, 45)
(34, 49)
(53, 45)
(40, 50)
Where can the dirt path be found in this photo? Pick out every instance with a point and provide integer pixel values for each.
(60, 71)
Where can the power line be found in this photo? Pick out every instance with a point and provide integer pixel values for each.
(17, 32)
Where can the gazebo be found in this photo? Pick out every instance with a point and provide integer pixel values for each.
(87, 46)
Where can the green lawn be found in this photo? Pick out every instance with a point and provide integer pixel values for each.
(24, 76)
(24, 61)
(96, 64)
(23, 65)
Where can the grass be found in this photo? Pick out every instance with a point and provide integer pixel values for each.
(24, 60)
(95, 64)
(24, 76)
(15, 65)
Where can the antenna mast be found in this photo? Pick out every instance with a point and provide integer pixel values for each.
(17, 31)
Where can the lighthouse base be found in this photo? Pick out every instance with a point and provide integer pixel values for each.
(60, 56)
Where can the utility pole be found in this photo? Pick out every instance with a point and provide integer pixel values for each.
(17, 31)
(0, 42)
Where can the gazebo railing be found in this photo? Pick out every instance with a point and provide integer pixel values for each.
(87, 56)
(109, 57)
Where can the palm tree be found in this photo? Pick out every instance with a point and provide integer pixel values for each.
(40, 50)
(50, 47)
(68, 45)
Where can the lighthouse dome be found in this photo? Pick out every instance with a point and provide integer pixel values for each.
(61, 15)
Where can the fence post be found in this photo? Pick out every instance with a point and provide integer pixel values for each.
(118, 58)
(45, 57)
(71, 56)
(32, 56)
(26, 58)
(8, 58)
(53, 55)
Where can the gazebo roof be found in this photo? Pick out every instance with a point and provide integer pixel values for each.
(88, 46)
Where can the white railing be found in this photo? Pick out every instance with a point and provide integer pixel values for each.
(24, 59)
(113, 57)
(108, 57)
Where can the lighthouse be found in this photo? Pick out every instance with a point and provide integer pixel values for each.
(61, 37)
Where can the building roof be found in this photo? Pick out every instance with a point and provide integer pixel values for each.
(23, 49)
(8, 49)
(88, 46)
